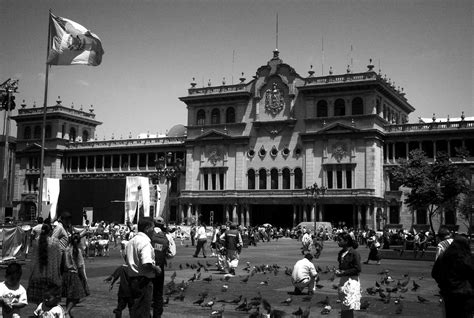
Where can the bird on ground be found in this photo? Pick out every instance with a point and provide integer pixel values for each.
(217, 313)
(377, 284)
(288, 271)
(405, 282)
(391, 289)
(298, 312)
(307, 298)
(245, 279)
(334, 286)
(364, 305)
(242, 306)
(166, 301)
(415, 286)
(173, 276)
(422, 300)
(199, 264)
(319, 286)
(198, 277)
(256, 313)
(181, 266)
(224, 288)
(235, 300)
(265, 282)
(199, 301)
(287, 301)
(209, 304)
(198, 270)
(326, 310)
(187, 265)
(180, 297)
(208, 279)
(192, 279)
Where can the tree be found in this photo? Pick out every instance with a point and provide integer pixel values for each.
(433, 186)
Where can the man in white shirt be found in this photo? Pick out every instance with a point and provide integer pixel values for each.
(139, 256)
(304, 275)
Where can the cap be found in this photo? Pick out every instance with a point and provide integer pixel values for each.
(159, 221)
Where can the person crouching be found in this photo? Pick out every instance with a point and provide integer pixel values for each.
(304, 275)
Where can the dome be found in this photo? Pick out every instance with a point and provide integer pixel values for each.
(177, 131)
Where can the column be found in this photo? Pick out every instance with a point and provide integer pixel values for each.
(103, 162)
(294, 215)
(313, 213)
(393, 152)
(320, 213)
(196, 213)
(304, 210)
(247, 214)
(354, 215)
(374, 217)
(234, 214)
(434, 149)
(189, 213)
(359, 215)
(227, 215)
(407, 149)
(87, 164)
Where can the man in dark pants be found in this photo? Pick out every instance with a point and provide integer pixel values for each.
(161, 245)
(139, 256)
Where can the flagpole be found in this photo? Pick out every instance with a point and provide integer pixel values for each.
(43, 130)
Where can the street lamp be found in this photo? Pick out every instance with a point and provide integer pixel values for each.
(315, 191)
(169, 169)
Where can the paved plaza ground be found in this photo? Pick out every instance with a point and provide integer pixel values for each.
(284, 252)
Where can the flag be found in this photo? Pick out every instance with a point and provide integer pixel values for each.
(72, 44)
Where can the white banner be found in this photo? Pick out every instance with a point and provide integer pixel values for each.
(137, 197)
(50, 196)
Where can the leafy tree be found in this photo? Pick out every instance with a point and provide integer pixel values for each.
(433, 186)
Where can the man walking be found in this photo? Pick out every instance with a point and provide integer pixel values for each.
(139, 256)
(233, 243)
(162, 244)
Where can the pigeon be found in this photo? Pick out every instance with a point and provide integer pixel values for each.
(391, 289)
(326, 310)
(287, 301)
(245, 279)
(187, 265)
(422, 300)
(199, 301)
(334, 286)
(298, 312)
(209, 304)
(181, 266)
(208, 279)
(242, 306)
(224, 288)
(180, 297)
(217, 313)
(415, 286)
(198, 270)
(265, 282)
(364, 305)
(236, 300)
(198, 277)
(377, 284)
(173, 276)
(192, 279)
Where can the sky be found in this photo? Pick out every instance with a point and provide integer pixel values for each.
(153, 49)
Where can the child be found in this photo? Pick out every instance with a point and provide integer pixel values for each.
(50, 307)
(12, 294)
(124, 298)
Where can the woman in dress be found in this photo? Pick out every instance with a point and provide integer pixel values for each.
(75, 285)
(46, 262)
(349, 269)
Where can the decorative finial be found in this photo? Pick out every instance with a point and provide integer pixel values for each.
(23, 104)
(91, 109)
(121, 137)
(58, 101)
(209, 83)
(82, 108)
(148, 134)
(311, 72)
(352, 122)
(434, 117)
(95, 136)
(462, 116)
(242, 79)
(370, 66)
(113, 137)
(385, 77)
(447, 118)
(193, 83)
(330, 70)
(348, 70)
(72, 105)
(223, 81)
(34, 104)
(130, 135)
(276, 54)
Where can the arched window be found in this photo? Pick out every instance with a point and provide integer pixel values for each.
(274, 178)
(230, 115)
(72, 134)
(298, 178)
(286, 178)
(339, 107)
(215, 116)
(37, 132)
(201, 117)
(262, 179)
(251, 179)
(47, 132)
(27, 133)
(322, 109)
(357, 106)
(85, 136)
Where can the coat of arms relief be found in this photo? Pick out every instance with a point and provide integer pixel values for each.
(274, 100)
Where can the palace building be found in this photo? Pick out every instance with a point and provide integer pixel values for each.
(249, 152)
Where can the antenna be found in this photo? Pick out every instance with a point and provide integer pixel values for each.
(322, 56)
(233, 56)
(277, 32)
(352, 61)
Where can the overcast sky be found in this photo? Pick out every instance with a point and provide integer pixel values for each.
(154, 48)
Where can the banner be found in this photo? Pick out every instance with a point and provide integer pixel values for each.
(50, 197)
(137, 197)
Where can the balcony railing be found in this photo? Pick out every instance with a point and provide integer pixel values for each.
(430, 126)
(127, 142)
(54, 109)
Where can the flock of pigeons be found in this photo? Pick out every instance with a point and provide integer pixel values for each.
(386, 289)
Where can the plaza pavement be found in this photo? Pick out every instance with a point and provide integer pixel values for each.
(284, 252)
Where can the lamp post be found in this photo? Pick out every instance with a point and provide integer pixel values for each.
(316, 192)
(169, 169)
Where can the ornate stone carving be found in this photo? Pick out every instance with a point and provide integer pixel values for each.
(214, 156)
(274, 100)
(339, 151)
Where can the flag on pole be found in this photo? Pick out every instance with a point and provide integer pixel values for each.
(72, 44)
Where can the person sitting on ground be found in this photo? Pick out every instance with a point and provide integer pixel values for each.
(304, 275)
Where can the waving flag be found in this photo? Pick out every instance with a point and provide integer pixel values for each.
(72, 44)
